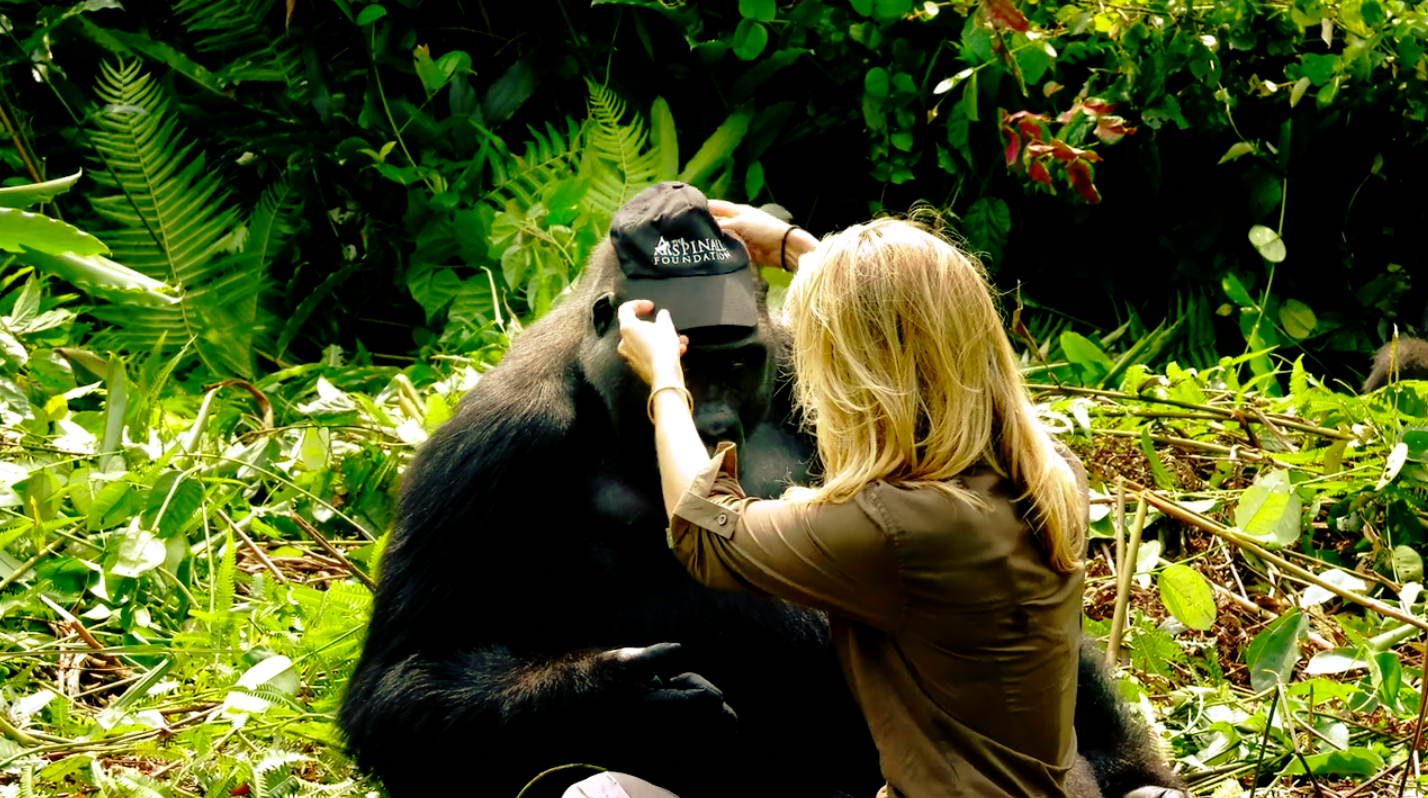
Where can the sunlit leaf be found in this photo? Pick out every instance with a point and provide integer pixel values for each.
(1268, 242)
(1187, 596)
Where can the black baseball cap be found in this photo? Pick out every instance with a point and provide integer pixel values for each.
(673, 252)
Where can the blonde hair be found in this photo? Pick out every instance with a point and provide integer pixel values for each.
(907, 375)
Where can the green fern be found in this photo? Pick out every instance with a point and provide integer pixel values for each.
(174, 223)
(241, 30)
(618, 159)
(518, 180)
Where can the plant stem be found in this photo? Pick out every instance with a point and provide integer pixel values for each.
(1127, 572)
(1180, 513)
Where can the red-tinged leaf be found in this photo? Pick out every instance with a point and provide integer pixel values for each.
(1098, 107)
(1030, 126)
(1039, 174)
(1082, 180)
(1111, 129)
(1051, 88)
(1061, 151)
(1013, 146)
(1004, 14)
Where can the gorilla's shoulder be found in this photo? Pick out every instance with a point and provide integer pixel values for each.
(519, 412)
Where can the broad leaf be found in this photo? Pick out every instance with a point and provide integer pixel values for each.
(21, 230)
(25, 196)
(1274, 652)
(1187, 596)
(1269, 510)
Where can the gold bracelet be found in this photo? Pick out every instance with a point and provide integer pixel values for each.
(688, 398)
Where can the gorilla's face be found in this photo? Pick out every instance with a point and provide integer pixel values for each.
(730, 371)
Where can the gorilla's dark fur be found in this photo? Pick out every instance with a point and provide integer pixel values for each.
(529, 552)
(1406, 361)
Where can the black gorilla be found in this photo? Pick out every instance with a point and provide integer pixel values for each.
(530, 615)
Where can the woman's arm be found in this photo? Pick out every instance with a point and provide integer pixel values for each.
(653, 349)
(767, 238)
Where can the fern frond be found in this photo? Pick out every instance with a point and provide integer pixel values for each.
(174, 222)
(240, 29)
(618, 157)
(549, 157)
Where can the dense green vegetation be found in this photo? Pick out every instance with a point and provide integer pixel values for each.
(273, 242)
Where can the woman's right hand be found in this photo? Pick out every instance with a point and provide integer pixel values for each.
(762, 234)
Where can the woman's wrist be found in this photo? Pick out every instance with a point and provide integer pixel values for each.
(796, 243)
(668, 392)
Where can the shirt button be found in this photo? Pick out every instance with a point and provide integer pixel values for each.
(723, 519)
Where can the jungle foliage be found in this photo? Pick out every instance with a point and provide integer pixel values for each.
(255, 250)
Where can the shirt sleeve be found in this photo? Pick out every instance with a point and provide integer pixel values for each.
(833, 557)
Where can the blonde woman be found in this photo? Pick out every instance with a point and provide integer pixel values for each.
(945, 539)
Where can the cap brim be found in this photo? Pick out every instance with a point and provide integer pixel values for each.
(708, 301)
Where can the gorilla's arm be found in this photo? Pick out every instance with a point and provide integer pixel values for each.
(469, 644)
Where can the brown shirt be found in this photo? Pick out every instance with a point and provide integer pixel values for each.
(958, 640)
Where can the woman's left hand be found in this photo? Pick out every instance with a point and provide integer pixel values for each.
(652, 348)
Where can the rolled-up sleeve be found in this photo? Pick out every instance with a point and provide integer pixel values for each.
(831, 556)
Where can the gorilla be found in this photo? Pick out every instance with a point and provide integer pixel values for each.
(1402, 358)
(1408, 360)
(530, 615)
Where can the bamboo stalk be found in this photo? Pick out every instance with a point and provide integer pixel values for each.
(1123, 586)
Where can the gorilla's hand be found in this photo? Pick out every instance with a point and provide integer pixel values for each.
(687, 694)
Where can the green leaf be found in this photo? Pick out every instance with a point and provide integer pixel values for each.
(862, 7)
(664, 139)
(139, 44)
(370, 14)
(1274, 652)
(25, 196)
(889, 10)
(1297, 93)
(1089, 360)
(1157, 469)
(1268, 242)
(1235, 290)
(1355, 761)
(1269, 510)
(1297, 318)
(140, 551)
(1415, 439)
(116, 387)
(509, 92)
(173, 502)
(1187, 596)
(750, 39)
(987, 225)
(969, 99)
(1407, 564)
(876, 83)
(1236, 150)
(21, 230)
(754, 180)
(759, 73)
(717, 148)
(1319, 69)
(1386, 673)
(758, 10)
